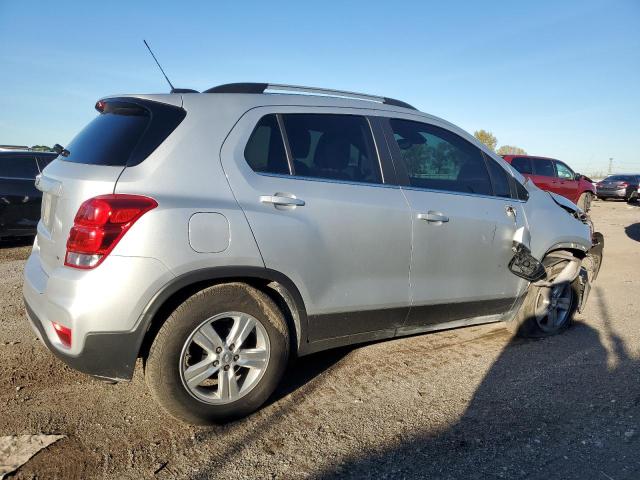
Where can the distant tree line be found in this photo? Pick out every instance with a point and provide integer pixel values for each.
(41, 148)
(490, 140)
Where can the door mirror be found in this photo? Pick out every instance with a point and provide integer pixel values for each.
(577, 176)
(523, 264)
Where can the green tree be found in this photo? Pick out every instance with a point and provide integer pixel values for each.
(511, 150)
(487, 138)
(41, 148)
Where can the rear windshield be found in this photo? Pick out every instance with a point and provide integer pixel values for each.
(124, 133)
(620, 178)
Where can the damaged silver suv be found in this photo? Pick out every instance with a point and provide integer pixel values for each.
(217, 235)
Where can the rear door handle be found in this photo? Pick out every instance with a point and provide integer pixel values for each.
(433, 217)
(282, 200)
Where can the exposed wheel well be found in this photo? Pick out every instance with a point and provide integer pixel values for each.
(562, 254)
(286, 301)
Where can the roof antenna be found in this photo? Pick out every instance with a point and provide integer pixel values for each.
(158, 63)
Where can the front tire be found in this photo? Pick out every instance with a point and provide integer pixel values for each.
(546, 311)
(219, 355)
(584, 202)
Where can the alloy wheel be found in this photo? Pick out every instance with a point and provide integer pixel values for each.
(224, 358)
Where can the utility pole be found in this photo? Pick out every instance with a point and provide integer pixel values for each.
(610, 164)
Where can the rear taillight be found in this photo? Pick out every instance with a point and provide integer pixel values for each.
(624, 185)
(100, 224)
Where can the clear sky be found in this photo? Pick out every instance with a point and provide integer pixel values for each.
(557, 78)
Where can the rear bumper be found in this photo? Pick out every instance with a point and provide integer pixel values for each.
(109, 356)
(611, 193)
(101, 307)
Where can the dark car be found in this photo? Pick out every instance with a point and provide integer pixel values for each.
(19, 198)
(555, 176)
(624, 187)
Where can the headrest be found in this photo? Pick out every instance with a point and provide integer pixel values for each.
(333, 151)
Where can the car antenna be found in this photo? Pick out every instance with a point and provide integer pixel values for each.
(173, 89)
(159, 66)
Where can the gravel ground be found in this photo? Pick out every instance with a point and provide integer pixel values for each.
(467, 403)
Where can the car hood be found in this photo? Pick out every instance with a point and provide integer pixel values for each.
(571, 208)
(564, 202)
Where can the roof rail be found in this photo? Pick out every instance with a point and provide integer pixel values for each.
(277, 87)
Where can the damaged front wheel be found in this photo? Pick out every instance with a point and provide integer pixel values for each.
(548, 308)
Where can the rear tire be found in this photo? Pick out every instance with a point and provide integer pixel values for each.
(633, 197)
(195, 370)
(584, 202)
(534, 318)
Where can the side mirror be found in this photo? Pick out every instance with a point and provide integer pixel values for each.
(577, 176)
(523, 264)
(60, 150)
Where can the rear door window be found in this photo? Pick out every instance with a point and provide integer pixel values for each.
(438, 159)
(18, 167)
(124, 133)
(265, 149)
(522, 165)
(337, 147)
(544, 167)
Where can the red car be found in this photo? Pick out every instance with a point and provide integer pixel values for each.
(555, 176)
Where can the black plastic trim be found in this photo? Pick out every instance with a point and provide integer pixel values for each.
(184, 90)
(240, 273)
(449, 312)
(322, 327)
(110, 356)
(239, 88)
(389, 175)
(398, 103)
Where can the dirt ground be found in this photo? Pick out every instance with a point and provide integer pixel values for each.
(466, 403)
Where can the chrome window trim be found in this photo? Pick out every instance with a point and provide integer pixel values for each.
(452, 192)
(326, 180)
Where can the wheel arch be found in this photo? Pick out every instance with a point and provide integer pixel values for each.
(276, 285)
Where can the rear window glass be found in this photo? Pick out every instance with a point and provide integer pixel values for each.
(522, 164)
(124, 133)
(338, 147)
(18, 167)
(620, 178)
(265, 149)
(544, 168)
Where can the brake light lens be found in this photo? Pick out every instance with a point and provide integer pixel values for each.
(64, 333)
(624, 184)
(100, 224)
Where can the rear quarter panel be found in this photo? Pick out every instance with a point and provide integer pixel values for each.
(184, 175)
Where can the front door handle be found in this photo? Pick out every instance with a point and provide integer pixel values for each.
(282, 200)
(433, 217)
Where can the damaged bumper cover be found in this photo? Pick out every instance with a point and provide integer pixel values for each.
(585, 269)
(590, 268)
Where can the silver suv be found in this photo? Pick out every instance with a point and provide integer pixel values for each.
(217, 235)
